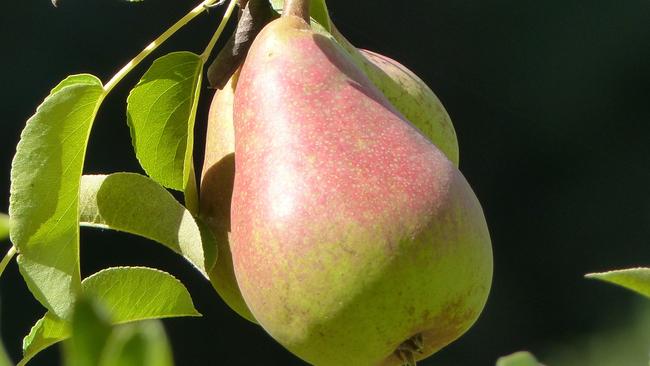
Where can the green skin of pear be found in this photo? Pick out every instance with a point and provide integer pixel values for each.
(352, 234)
(216, 194)
(408, 93)
(405, 90)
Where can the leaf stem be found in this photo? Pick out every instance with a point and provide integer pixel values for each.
(224, 21)
(157, 42)
(10, 254)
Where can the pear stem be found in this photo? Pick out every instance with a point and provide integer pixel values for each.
(296, 8)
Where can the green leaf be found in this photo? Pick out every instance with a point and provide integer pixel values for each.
(128, 293)
(46, 332)
(135, 204)
(78, 79)
(635, 279)
(518, 359)
(91, 329)
(139, 344)
(139, 293)
(4, 226)
(161, 114)
(45, 178)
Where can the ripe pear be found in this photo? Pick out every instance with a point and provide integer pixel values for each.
(355, 240)
(216, 193)
(408, 93)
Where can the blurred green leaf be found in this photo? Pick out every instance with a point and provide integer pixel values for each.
(45, 178)
(139, 344)
(128, 293)
(91, 328)
(95, 342)
(617, 339)
(518, 359)
(161, 113)
(4, 358)
(635, 279)
(135, 204)
(4, 226)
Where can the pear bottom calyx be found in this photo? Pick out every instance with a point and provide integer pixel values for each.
(406, 351)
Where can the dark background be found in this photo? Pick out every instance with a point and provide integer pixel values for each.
(550, 100)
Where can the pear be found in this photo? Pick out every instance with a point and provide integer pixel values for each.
(355, 240)
(217, 181)
(407, 92)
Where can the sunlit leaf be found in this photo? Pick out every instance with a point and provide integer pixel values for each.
(77, 79)
(159, 294)
(518, 359)
(635, 279)
(135, 204)
(45, 178)
(161, 114)
(128, 293)
(46, 332)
